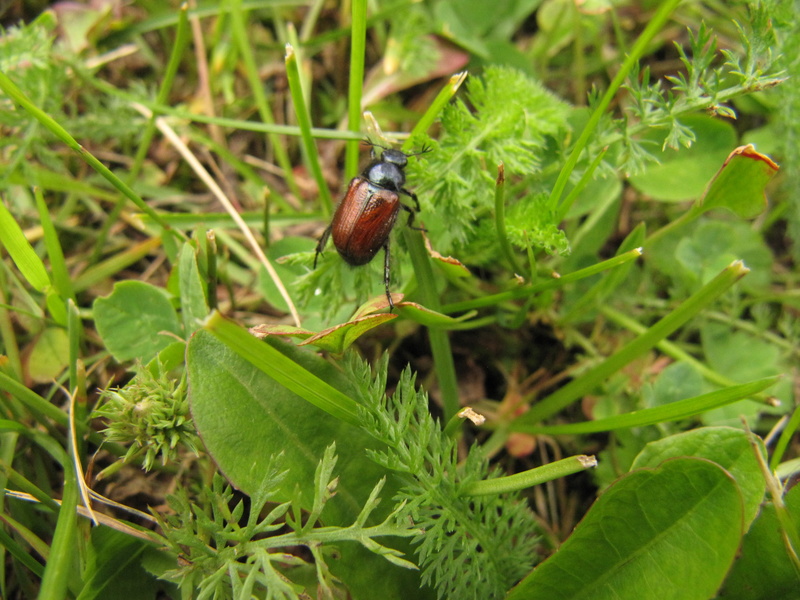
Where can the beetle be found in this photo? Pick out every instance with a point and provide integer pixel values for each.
(366, 215)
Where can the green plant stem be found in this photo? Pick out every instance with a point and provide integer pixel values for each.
(283, 370)
(674, 411)
(58, 265)
(531, 477)
(12, 91)
(587, 382)
(304, 120)
(537, 288)
(686, 218)
(432, 113)
(788, 525)
(653, 27)
(500, 218)
(358, 39)
(440, 342)
(564, 207)
(59, 570)
(238, 20)
(783, 441)
(677, 353)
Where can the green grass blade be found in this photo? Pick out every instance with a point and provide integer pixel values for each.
(432, 113)
(59, 573)
(358, 38)
(537, 288)
(62, 281)
(304, 120)
(653, 27)
(587, 382)
(13, 92)
(238, 21)
(21, 252)
(674, 411)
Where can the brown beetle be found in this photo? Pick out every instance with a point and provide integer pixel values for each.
(364, 218)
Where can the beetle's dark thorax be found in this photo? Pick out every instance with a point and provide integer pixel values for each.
(386, 175)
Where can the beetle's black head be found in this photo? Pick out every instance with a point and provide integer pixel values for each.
(396, 157)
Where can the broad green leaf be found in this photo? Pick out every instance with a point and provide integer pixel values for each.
(684, 174)
(49, 355)
(712, 245)
(678, 381)
(739, 184)
(244, 417)
(728, 447)
(662, 534)
(763, 570)
(194, 306)
(135, 321)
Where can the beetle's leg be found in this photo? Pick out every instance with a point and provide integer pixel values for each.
(411, 195)
(386, 274)
(323, 239)
(411, 215)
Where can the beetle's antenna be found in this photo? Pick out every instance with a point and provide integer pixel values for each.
(425, 150)
(368, 142)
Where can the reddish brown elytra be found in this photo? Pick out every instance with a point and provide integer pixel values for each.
(366, 215)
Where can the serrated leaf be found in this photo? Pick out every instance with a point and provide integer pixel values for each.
(530, 223)
(661, 534)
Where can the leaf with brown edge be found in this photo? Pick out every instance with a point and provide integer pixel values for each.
(740, 182)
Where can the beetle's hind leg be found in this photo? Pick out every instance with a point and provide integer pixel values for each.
(386, 273)
(323, 239)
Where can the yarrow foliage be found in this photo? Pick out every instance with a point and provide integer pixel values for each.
(468, 547)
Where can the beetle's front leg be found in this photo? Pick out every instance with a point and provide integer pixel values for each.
(323, 239)
(411, 195)
(386, 273)
(411, 215)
